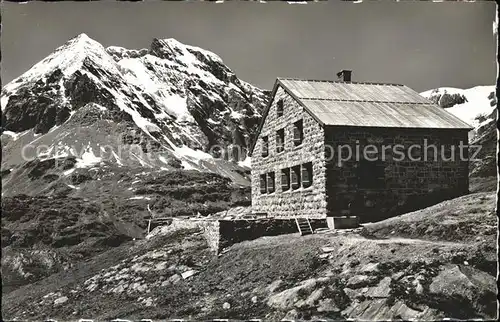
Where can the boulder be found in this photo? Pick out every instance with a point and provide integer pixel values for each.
(370, 268)
(464, 281)
(61, 300)
(358, 281)
(327, 305)
(287, 298)
(381, 290)
(188, 274)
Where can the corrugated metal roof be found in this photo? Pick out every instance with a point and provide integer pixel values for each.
(370, 104)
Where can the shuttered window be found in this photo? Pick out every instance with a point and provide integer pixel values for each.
(265, 146)
(297, 133)
(263, 183)
(307, 175)
(279, 108)
(270, 182)
(280, 140)
(295, 175)
(285, 179)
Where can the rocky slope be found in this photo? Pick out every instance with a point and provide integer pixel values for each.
(165, 107)
(403, 268)
(476, 106)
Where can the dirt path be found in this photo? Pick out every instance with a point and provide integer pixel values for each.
(401, 241)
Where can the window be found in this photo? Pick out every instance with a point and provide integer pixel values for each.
(285, 179)
(297, 133)
(265, 146)
(263, 183)
(296, 177)
(307, 176)
(280, 140)
(279, 108)
(270, 182)
(370, 174)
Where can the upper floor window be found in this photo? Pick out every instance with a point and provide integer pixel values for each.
(285, 179)
(279, 107)
(307, 175)
(270, 182)
(265, 146)
(280, 140)
(298, 133)
(263, 183)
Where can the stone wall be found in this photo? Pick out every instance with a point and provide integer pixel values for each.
(209, 228)
(311, 201)
(407, 185)
(211, 232)
(221, 233)
(235, 231)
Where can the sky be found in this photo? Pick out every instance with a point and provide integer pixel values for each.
(423, 45)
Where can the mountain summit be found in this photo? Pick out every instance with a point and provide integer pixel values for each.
(173, 101)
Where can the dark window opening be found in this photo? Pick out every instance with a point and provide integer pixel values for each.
(265, 146)
(270, 182)
(370, 174)
(280, 140)
(307, 175)
(263, 183)
(285, 179)
(279, 107)
(298, 133)
(295, 177)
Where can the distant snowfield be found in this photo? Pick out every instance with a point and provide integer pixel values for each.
(477, 103)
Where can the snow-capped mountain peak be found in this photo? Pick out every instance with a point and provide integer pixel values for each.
(180, 98)
(68, 58)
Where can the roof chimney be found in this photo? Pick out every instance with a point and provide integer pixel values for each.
(344, 75)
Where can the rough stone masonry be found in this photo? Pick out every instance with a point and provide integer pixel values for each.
(309, 201)
(370, 191)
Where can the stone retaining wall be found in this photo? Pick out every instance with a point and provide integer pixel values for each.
(235, 231)
(221, 233)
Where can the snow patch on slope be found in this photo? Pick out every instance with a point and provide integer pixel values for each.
(14, 135)
(87, 159)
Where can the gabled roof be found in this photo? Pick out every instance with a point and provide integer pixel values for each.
(370, 104)
(338, 103)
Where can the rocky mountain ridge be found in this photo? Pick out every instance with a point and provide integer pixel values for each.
(172, 102)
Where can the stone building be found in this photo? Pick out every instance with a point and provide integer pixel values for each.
(301, 164)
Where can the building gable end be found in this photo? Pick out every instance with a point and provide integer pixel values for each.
(278, 84)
